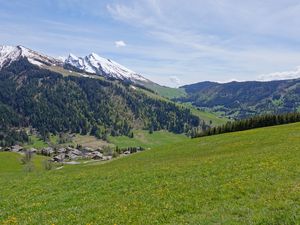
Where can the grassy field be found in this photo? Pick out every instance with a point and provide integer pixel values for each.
(209, 117)
(141, 138)
(250, 177)
(36, 142)
(89, 141)
(84, 140)
(166, 92)
(144, 139)
(10, 163)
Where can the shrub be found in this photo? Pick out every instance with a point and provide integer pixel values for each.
(26, 160)
(47, 164)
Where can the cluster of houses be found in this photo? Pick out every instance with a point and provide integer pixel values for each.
(72, 154)
(67, 154)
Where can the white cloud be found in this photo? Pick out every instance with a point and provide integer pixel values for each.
(120, 44)
(292, 74)
(174, 80)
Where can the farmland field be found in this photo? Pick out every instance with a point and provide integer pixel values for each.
(249, 177)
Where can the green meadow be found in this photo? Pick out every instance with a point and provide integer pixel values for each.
(250, 177)
(146, 140)
(208, 117)
(141, 138)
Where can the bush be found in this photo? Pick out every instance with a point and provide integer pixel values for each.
(47, 164)
(115, 154)
(26, 160)
(108, 151)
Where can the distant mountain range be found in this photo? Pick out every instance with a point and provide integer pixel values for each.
(92, 64)
(245, 99)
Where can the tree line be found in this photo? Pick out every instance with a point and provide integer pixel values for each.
(251, 123)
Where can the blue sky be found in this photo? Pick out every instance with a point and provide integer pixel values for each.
(171, 42)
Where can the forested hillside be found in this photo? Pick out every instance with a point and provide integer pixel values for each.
(245, 99)
(51, 103)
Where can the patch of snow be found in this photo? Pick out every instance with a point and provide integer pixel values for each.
(9, 54)
(84, 75)
(37, 63)
(92, 63)
(62, 58)
(96, 64)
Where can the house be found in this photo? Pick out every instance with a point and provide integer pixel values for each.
(33, 150)
(59, 158)
(47, 151)
(16, 148)
(96, 155)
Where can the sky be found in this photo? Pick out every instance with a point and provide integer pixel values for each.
(170, 42)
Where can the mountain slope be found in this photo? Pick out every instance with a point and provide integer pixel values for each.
(53, 103)
(244, 99)
(9, 54)
(92, 64)
(247, 177)
(96, 64)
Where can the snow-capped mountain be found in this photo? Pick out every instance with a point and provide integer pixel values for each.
(9, 54)
(94, 63)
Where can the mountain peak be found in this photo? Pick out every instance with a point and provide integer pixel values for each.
(72, 56)
(9, 54)
(94, 55)
(93, 63)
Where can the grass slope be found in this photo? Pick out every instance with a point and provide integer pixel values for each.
(249, 177)
(78, 139)
(36, 142)
(203, 115)
(207, 116)
(144, 139)
(166, 92)
(10, 163)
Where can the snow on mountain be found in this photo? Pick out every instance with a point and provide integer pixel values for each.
(9, 54)
(94, 63)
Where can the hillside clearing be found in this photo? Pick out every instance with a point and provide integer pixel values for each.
(146, 140)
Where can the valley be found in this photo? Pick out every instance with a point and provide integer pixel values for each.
(239, 100)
